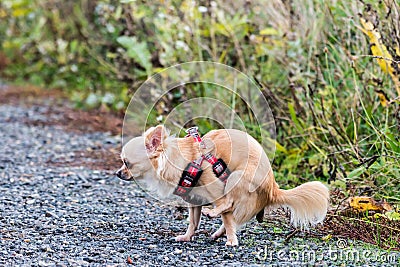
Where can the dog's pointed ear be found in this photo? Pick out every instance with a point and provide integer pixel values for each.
(154, 137)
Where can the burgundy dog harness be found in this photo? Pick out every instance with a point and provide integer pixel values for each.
(191, 174)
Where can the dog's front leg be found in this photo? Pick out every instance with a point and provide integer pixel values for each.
(194, 222)
(219, 232)
(225, 203)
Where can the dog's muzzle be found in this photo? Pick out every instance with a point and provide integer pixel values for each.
(118, 173)
(121, 174)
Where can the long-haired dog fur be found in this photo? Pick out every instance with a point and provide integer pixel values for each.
(158, 160)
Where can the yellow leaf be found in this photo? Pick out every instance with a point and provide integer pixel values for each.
(378, 49)
(3, 13)
(363, 203)
(327, 237)
(379, 215)
(269, 31)
(20, 12)
(382, 97)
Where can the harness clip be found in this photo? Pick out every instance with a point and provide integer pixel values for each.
(194, 132)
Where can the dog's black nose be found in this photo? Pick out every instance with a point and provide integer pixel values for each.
(118, 173)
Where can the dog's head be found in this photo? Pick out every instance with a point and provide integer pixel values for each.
(137, 154)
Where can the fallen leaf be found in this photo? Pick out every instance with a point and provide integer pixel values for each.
(363, 203)
(382, 97)
(327, 237)
(129, 260)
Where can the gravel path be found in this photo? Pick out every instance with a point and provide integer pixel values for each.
(75, 216)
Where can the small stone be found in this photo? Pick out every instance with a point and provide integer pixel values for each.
(192, 258)
(86, 185)
(51, 214)
(60, 230)
(30, 201)
(43, 263)
(88, 259)
(178, 251)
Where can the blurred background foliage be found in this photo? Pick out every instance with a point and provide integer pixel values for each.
(329, 69)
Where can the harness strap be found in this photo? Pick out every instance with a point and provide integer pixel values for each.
(191, 175)
(219, 167)
(189, 178)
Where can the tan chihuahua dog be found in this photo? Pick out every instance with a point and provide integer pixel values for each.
(158, 160)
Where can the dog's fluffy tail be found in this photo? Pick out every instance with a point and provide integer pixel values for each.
(308, 203)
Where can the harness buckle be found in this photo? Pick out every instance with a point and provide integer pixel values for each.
(194, 132)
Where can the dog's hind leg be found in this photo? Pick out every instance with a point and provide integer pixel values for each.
(194, 222)
(230, 228)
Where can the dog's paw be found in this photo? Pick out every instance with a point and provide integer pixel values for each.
(214, 236)
(183, 238)
(206, 212)
(211, 213)
(217, 235)
(232, 242)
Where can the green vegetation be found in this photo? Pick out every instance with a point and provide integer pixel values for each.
(330, 70)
